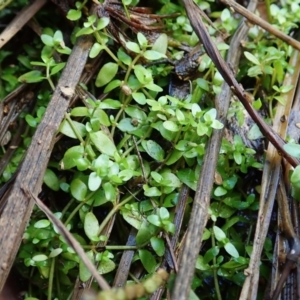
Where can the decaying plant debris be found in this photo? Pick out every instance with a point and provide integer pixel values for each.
(183, 236)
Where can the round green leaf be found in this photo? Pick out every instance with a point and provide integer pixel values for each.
(51, 180)
(103, 143)
(161, 44)
(154, 150)
(55, 252)
(231, 250)
(31, 77)
(220, 191)
(91, 227)
(102, 23)
(148, 260)
(134, 47)
(84, 273)
(158, 245)
(170, 125)
(153, 55)
(295, 178)
(106, 74)
(95, 50)
(292, 149)
(155, 220)
(74, 14)
(67, 129)
(219, 233)
(251, 58)
(39, 257)
(78, 189)
(41, 224)
(94, 181)
(106, 266)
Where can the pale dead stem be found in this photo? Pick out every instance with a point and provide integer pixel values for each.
(199, 214)
(270, 180)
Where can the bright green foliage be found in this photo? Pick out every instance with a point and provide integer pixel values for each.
(131, 152)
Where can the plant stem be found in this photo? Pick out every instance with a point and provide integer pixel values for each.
(51, 276)
(216, 282)
(114, 210)
(67, 116)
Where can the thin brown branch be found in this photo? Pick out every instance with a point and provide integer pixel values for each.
(20, 20)
(254, 19)
(72, 242)
(201, 203)
(193, 13)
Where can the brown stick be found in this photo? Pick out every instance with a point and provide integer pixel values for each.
(17, 211)
(72, 242)
(201, 203)
(193, 13)
(254, 19)
(20, 20)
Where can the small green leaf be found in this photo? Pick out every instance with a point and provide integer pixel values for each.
(81, 111)
(31, 77)
(154, 150)
(158, 245)
(155, 220)
(55, 252)
(153, 87)
(84, 31)
(58, 37)
(95, 50)
(140, 98)
(210, 254)
(161, 44)
(134, 47)
(292, 149)
(51, 180)
(124, 57)
(112, 85)
(102, 23)
(188, 177)
(148, 261)
(39, 257)
(110, 191)
(78, 189)
(170, 125)
(153, 55)
(164, 213)
(231, 250)
(251, 58)
(106, 74)
(220, 191)
(47, 40)
(67, 129)
(106, 266)
(151, 191)
(74, 14)
(57, 68)
(295, 178)
(31, 121)
(84, 273)
(219, 233)
(94, 181)
(91, 227)
(103, 143)
(41, 224)
(142, 40)
(71, 156)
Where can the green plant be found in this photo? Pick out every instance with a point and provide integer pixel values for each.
(131, 152)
